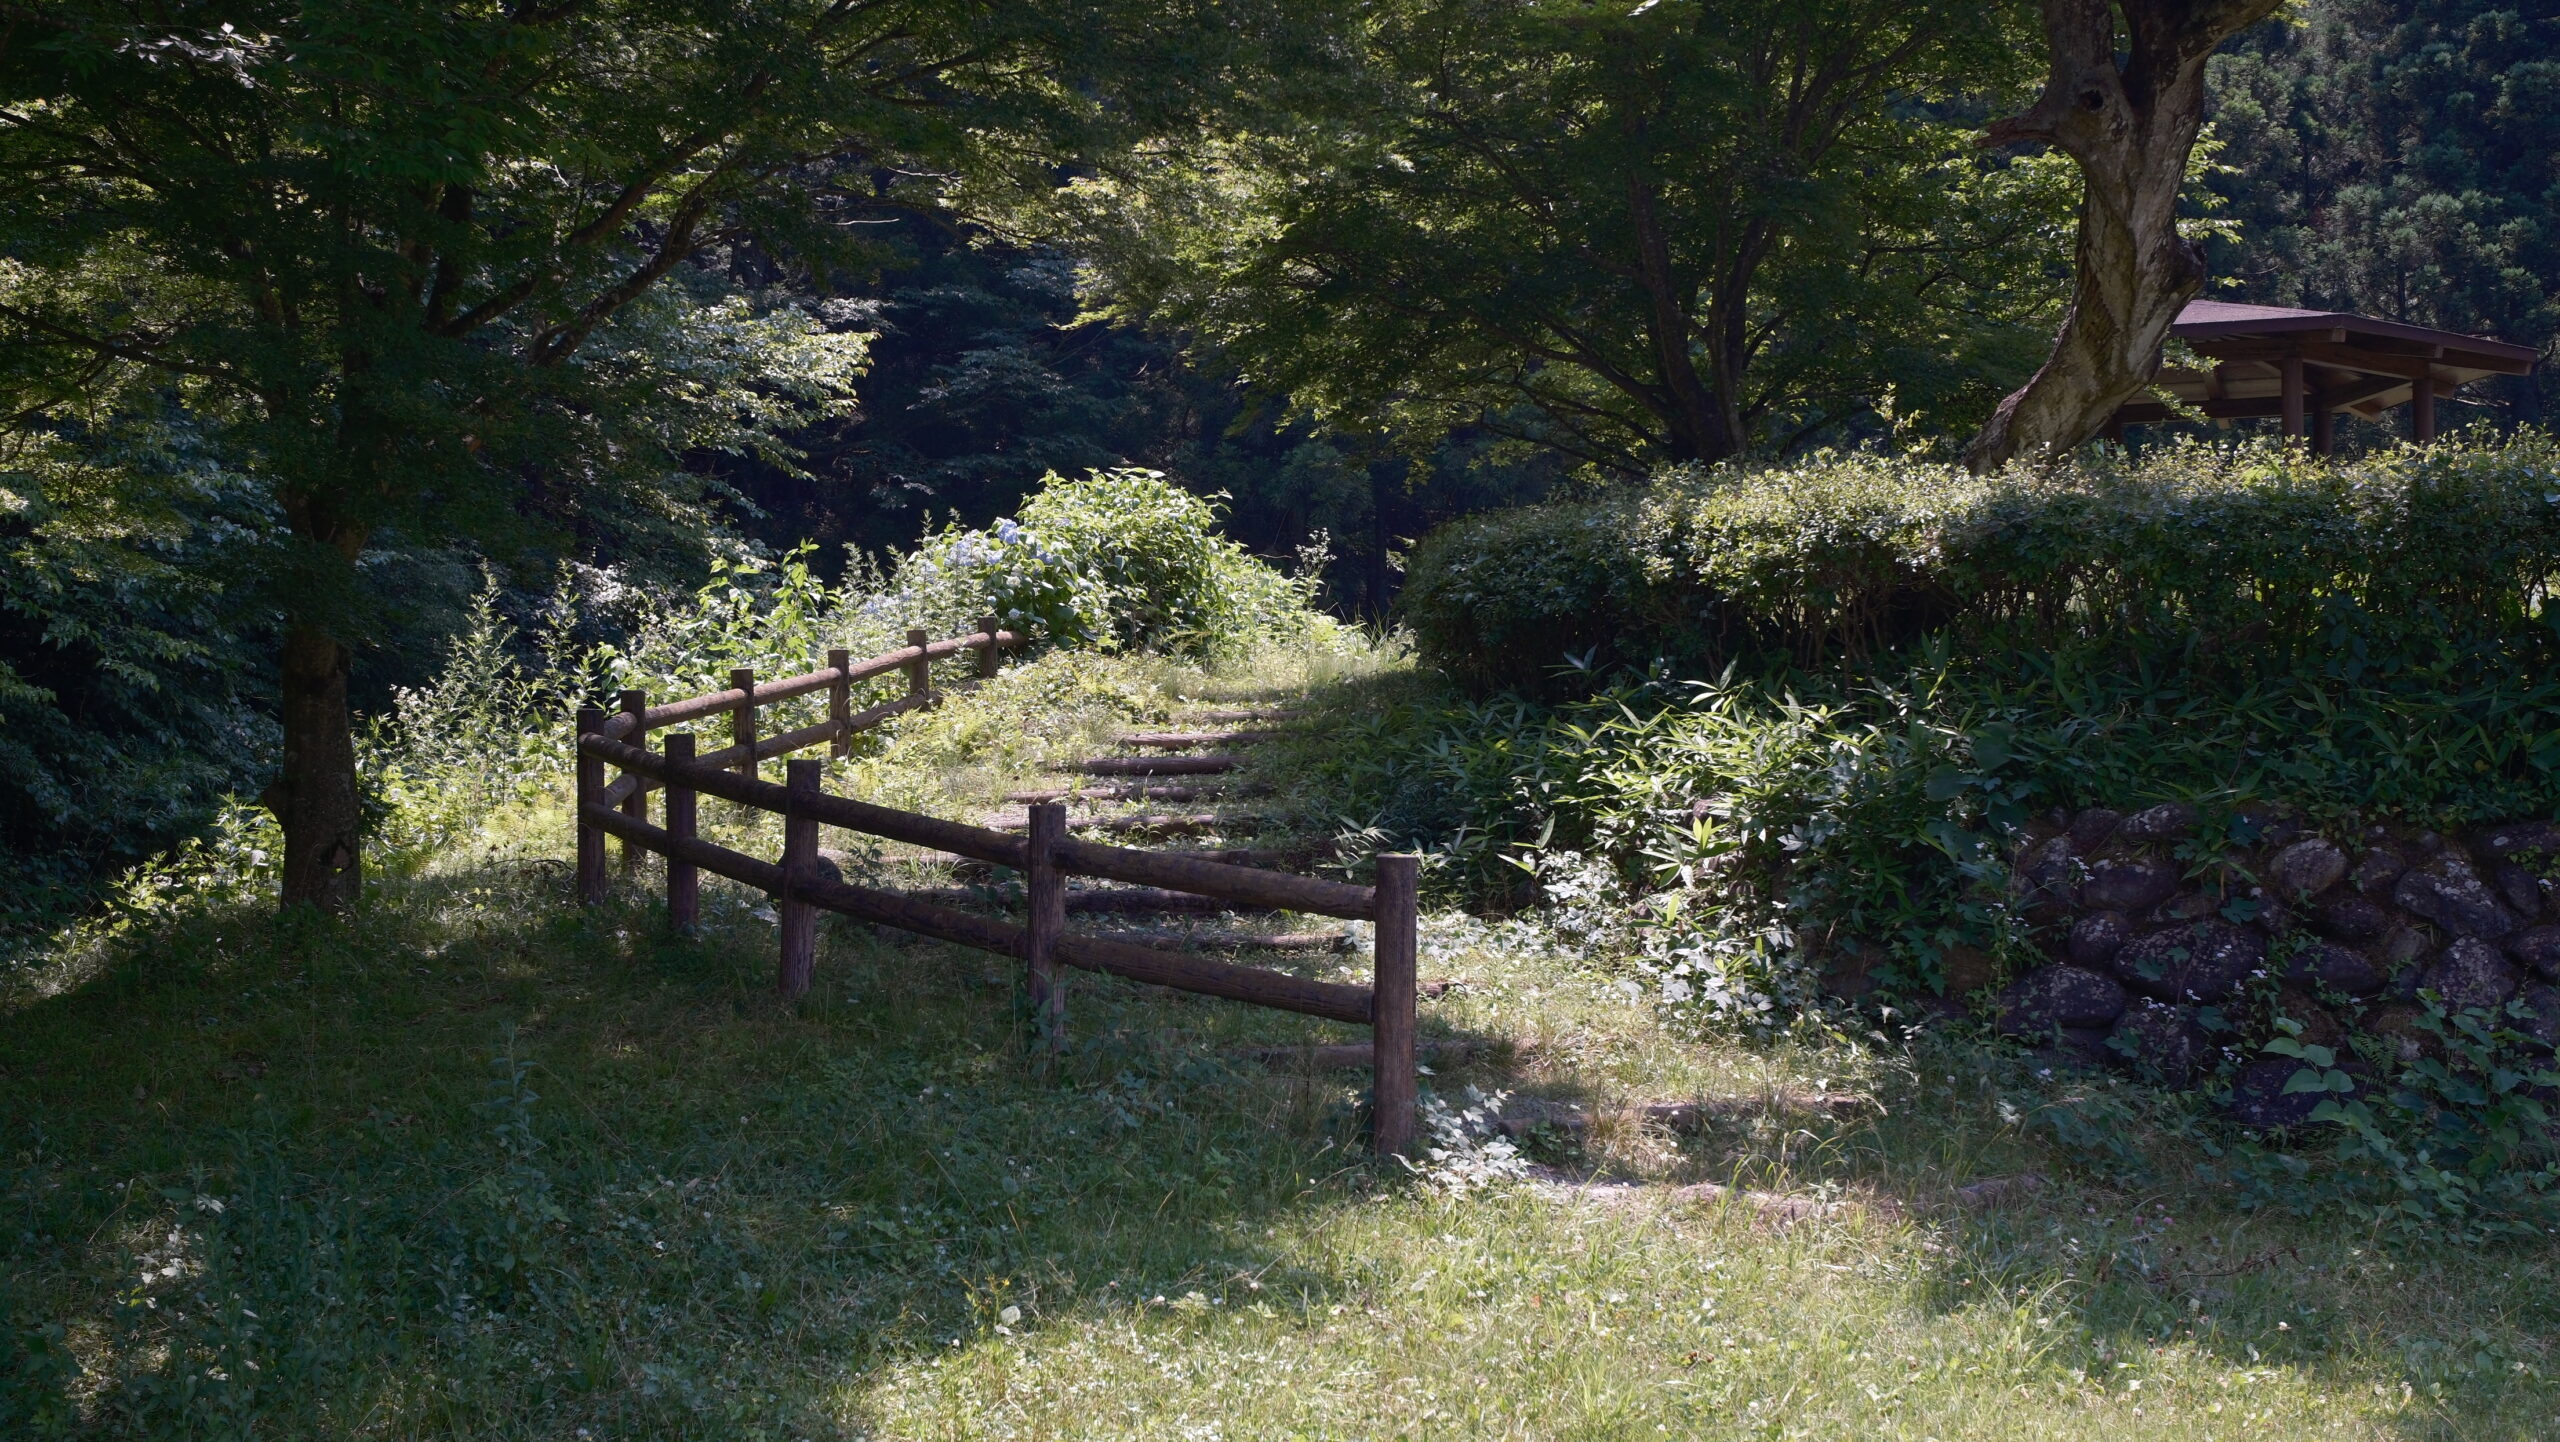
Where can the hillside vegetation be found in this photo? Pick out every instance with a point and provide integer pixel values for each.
(475, 1161)
(1845, 686)
(1911, 672)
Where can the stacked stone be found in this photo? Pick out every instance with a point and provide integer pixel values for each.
(2142, 950)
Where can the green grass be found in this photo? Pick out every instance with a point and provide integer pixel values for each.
(477, 1163)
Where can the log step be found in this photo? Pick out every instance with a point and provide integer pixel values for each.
(1159, 824)
(1205, 765)
(1262, 858)
(1189, 740)
(1333, 941)
(1125, 899)
(1117, 900)
(1166, 823)
(1338, 1055)
(1233, 716)
(1110, 793)
(1233, 856)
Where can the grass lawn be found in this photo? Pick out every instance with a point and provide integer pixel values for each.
(478, 1164)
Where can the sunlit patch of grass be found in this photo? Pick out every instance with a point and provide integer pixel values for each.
(1513, 1317)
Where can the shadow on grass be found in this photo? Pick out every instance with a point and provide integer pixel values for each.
(478, 1162)
(2133, 1248)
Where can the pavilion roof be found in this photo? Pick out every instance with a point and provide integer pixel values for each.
(2350, 362)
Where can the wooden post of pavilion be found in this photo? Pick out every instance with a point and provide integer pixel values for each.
(2302, 368)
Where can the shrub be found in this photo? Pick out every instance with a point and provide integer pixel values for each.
(1008, 572)
(2223, 551)
(1171, 582)
(1705, 836)
(1915, 661)
(1118, 558)
(126, 705)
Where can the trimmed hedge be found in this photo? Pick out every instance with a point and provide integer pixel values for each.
(1840, 558)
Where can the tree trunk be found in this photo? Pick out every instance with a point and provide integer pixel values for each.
(314, 795)
(2130, 123)
(1692, 415)
(314, 799)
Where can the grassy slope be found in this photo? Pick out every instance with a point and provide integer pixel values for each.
(489, 1166)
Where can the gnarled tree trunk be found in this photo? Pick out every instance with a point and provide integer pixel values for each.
(2126, 105)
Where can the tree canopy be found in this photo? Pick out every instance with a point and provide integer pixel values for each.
(1673, 233)
(437, 270)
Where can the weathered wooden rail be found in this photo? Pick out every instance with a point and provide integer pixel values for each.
(1046, 855)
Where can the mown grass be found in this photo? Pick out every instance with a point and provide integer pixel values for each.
(478, 1163)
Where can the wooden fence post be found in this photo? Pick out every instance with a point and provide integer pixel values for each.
(1046, 889)
(590, 836)
(1391, 1006)
(742, 722)
(840, 702)
(635, 704)
(799, 861)
(992, 655)
(684, 880)
(919, 670)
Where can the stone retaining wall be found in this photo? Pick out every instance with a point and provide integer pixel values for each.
(2175, 955)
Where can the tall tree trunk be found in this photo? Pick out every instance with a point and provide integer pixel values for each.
(2130, 122)
(314, 795)
(314, 799)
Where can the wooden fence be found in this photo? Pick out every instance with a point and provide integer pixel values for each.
(1046, 856)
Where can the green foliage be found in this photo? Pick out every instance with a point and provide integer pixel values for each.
(2456, 1142)
(37, 1370)
(2222, 555)
(128, 689)
(1169, 580)
(1007, 572)
(1915, 661)
(1674, 231)
(987, 374)
(1119, 558)
(490, 730)
(1759, 817)
(1708, 836)
(447, 289)
(491, 276)
(487, 732)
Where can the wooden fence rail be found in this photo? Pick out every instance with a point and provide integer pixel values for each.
(1045, 857)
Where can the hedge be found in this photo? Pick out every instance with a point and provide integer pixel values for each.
(1837, 559)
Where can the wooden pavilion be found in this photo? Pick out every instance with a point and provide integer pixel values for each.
(2312, 364)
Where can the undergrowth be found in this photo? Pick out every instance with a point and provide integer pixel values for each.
(1820, 702)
